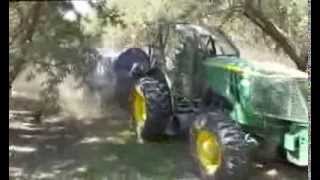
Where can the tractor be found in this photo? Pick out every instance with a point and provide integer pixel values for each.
(225, 105)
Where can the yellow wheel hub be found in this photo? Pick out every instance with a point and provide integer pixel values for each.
(208, 151)
(138, 106)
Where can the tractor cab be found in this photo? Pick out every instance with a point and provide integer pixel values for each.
(186, 48)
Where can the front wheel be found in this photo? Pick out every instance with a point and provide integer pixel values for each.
(218, 147)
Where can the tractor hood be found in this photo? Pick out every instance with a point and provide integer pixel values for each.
(264, 89)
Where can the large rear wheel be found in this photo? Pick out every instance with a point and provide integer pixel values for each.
(218, 147)
(150, 107)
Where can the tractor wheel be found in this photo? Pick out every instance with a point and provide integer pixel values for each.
(218, 147)
(150, 107)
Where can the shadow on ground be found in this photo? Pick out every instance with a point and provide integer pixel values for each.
(63, 148)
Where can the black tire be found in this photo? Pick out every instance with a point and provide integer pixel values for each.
(235, 161)
(124, 79)
(158, 107)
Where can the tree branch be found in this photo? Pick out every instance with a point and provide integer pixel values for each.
(275, 33)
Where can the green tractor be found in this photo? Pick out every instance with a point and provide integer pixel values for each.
(223, 103)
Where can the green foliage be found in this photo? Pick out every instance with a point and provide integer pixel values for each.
(52, 44)
(56, 46)
(141, 19)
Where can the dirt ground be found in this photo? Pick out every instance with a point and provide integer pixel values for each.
(63, 148)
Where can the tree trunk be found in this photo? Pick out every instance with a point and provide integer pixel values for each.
(29, 22)
(268, 27)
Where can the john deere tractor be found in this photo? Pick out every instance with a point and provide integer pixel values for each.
(223, 103)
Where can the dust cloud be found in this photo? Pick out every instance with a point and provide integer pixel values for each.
(76, 99)
(79, 102)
